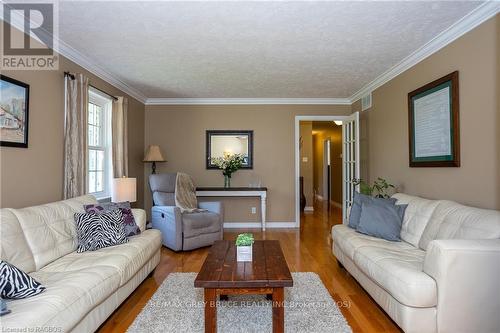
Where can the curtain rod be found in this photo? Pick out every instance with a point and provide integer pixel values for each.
(72, 77)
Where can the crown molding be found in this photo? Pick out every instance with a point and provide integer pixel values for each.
(480, 14)
(75, 56)
(477, 16)
(237, 101)
(67, 51)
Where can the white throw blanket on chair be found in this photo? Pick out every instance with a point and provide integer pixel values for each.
(185, 194)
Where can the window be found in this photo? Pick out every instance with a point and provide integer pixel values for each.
(99, 145)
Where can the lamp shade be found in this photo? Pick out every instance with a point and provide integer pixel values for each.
(153, 154)
(124, 189)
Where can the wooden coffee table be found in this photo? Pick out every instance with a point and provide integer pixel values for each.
(222, 275)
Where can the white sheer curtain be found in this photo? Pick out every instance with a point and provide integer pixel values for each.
(75, 135)
(119, 137)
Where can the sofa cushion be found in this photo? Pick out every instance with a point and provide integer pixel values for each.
(125, 260)
(349, 241)
(451, 220)
(16, 284)
(49, 229)
(97, 231)
(399, 272)
(195, 224)
(68, 298)
(394, 266)
(417, 215)
(382, 220)
(13, 245)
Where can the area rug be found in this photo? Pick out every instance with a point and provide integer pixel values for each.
(178, 307)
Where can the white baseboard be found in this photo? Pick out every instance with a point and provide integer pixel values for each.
(309, 209)
(258, 225)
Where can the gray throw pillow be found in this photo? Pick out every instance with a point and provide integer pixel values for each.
(381, 219)
(357, 202)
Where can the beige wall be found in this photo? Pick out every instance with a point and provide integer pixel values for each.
(328, 130)
(477, 182)
(180, 131)
(306, 167)
(35, 175)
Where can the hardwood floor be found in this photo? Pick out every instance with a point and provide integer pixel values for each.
(306, 250)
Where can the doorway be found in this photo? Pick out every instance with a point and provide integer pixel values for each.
(326, 162)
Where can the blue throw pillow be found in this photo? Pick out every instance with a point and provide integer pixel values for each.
(382, 220)
(357, 202)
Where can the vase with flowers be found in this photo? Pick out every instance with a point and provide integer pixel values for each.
(229, 164)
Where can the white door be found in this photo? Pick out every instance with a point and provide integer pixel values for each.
(350, 161)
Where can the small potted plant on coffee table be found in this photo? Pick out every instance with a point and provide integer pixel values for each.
(244, 245)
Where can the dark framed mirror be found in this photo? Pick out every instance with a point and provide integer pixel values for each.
(223, 142)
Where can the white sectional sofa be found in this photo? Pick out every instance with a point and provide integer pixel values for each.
(444, 276)
(83, 289)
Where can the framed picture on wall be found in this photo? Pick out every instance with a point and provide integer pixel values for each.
(14, 106)
(434, 132)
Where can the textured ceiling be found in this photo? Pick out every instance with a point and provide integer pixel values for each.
(252, 49)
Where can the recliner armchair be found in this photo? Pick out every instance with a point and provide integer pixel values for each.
(183, 231)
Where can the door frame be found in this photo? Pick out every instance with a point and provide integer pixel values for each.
(298, 119)
(326, 169)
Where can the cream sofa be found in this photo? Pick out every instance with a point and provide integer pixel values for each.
(444, 276)
(83, 289)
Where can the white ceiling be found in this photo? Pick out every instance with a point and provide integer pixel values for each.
(252, 49)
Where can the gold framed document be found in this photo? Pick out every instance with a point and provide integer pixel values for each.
(433, 121)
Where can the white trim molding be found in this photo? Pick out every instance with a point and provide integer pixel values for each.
(258, 225)
(308, 209)
(480, 14)
(80, 59)
(296, 139)
(248, 101)
(70, 53)
(477, 16)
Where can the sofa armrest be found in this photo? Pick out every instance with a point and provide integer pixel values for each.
(140, 218)
(212, 206)
(466, 273)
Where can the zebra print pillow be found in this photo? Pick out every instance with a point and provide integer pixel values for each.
(16, 284)
(97, 231)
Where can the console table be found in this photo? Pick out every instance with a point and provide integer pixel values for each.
(237, 192)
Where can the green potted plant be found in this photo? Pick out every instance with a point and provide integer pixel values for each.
(379, 189)
(244, 246)
(229, 164)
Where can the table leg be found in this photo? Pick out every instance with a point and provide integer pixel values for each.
(210, 310)
(278, 310)
(263, 207)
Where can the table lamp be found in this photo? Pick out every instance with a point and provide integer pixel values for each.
(124, 189)
(153, 154)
